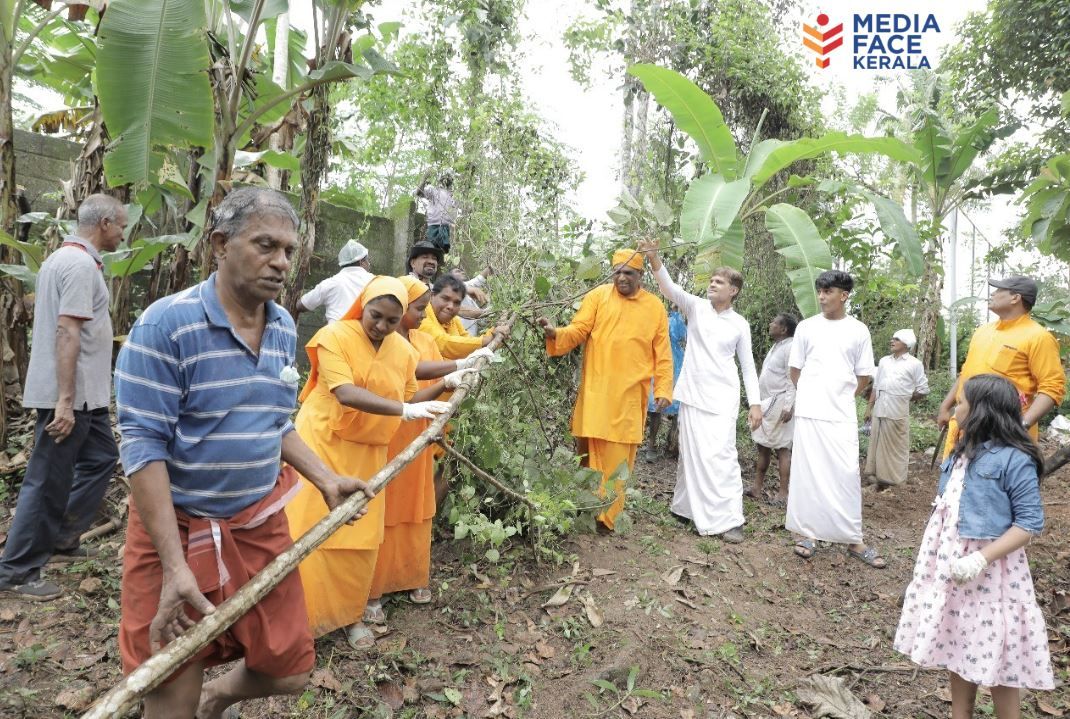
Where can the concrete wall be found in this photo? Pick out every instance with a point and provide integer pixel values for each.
(43, 162)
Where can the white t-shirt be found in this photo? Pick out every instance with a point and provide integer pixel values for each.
(831, 355)
(338, 292)
(709, 379)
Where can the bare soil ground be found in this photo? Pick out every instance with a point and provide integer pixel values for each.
(653, 623)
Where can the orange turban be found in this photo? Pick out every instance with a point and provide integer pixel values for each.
(381, 286)
(632, 258)
(414, 287)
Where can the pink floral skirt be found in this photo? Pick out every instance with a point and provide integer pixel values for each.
(989, 631)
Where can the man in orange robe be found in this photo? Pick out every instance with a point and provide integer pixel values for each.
(1015, 347)
(626, 331)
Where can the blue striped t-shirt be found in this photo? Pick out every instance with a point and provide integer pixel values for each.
(191, 393)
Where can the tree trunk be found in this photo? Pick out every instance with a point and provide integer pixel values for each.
(932, 283)
(313, 170)
(13, 314)
(279, 72)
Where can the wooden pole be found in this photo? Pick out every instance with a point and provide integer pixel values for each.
(159, 666)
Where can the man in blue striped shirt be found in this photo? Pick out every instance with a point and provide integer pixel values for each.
(205, 386)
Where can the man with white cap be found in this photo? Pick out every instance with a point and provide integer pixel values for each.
(338, 292)
(900, 380)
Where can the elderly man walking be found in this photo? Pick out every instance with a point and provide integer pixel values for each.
(69, 384)
(339, 291)
(900, 380)
(626, 332)
(709, 484)
(1015, 346)
(205, 386)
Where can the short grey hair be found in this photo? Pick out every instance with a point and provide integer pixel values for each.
(97, 208)
(236, 208)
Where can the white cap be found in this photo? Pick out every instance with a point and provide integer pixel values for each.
(351, 252)
(907, 337)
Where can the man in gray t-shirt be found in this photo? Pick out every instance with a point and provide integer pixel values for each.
(69, 384)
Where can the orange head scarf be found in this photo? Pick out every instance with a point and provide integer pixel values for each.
(632, 258)
(381, 286)
(414, 287)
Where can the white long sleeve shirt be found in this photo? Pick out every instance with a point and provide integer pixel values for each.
(897, 380)
(709, 379)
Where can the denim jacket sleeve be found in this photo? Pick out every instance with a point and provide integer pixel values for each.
(1023, 487)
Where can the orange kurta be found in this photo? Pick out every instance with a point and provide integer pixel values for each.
(405, 555)
(1020, 350)
(337, 577)
(453, 340)
(627, 343)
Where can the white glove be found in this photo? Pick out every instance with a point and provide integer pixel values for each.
(453, 379)
(423, 410)
(966, 569)
(470, 360)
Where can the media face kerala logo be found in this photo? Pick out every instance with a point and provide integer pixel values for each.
(880, 41)
(822, 39)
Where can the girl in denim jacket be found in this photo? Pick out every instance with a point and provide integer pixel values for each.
(970, 607)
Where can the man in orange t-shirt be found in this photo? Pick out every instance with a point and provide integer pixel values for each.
(1016, 347)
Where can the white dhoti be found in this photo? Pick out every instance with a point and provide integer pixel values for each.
(709, 485)
(773, 433)
(825, 497)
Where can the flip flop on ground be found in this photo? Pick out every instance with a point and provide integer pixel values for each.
(805, 548)
(420, 596)
(870, 556)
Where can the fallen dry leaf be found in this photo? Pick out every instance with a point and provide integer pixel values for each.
(630, 705)
(598, 572)
(590, 608)
(686, 602)
(875, 703)
(944, 694)
(672, 576)
(325, 678)
(545, 650)
(391, 694)
(783, 710)
(8, 614)
(561, 596)
(75, 697)
(90, 585)
(1060, 601)
(830, 697)
(1048, 708)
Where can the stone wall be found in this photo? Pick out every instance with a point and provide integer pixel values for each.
(41, 163)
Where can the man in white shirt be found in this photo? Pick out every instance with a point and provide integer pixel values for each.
(778, 398)
(900, 380)
(709, 484)
(441, 210)
(339, 292)
(831, 363)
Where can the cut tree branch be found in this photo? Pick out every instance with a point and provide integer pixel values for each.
(161, 665)
(484, 476)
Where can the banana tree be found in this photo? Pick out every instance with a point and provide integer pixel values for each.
(194, 91)
(946, 178)
(735, 187)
